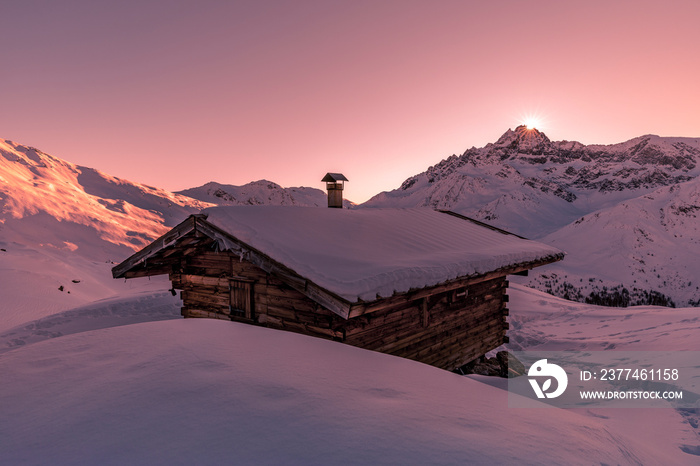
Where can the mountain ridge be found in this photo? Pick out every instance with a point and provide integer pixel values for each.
(121, 213)
(482, 181)
(261, 192)
(524, 183)
(530, 185)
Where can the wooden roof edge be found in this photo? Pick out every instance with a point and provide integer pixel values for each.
(226, 241)
(366, 307)
(318, 294)
(164, 241)
(322, 296)
(480, 223)
(334, 177)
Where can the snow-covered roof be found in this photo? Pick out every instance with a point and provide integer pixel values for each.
(369, 253)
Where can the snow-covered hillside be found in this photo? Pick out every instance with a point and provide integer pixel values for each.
(572, 196)
(42, 194)
(648, 243)
(523, 180)
(125, 381)
(260, 192)
(62, 226)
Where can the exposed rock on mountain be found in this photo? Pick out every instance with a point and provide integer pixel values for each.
(592, 201)
(533, 186)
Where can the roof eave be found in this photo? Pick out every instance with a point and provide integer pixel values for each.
(198, 223)
(331, 177)
(188, 225)
(366, 307)
(320, 295)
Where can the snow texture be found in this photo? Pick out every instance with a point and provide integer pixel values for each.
(206, 392)
(650, 243)
(260, 192)
(80, 201)
(362, 254)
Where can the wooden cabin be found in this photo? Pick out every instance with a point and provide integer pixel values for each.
(417, 283)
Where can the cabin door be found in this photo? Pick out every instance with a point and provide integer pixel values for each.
(241, 298)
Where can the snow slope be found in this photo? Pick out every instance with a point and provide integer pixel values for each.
(63, 226)
(40, 282)
(649, 243)
(213, 392)
(34, 185)
(543, 322)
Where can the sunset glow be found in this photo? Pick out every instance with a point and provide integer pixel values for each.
(234, 92)
(535, 119)
(349, 231)
(532, 123)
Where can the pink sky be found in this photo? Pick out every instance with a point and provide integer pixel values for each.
(178, 93)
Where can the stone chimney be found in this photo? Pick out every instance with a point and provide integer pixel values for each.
(334, 186)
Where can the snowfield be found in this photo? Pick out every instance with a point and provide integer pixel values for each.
(39, 282)
(126, 381)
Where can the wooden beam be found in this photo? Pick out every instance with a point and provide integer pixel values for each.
(426, 312)
(200, 280)
(161, 243)
(191, 312)
(358, 309)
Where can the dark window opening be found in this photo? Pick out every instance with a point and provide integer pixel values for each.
(459, 295)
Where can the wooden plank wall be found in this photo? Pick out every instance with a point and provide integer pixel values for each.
(205, 292)
(204, 282)
(442, 330)
(457, 332)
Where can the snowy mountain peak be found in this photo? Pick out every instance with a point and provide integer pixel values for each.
(524, 140)
(532, 186)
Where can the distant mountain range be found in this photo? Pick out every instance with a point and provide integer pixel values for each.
(533, 186)
(64, 225)
(53, 203)
(625, 213)
(261, 192)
